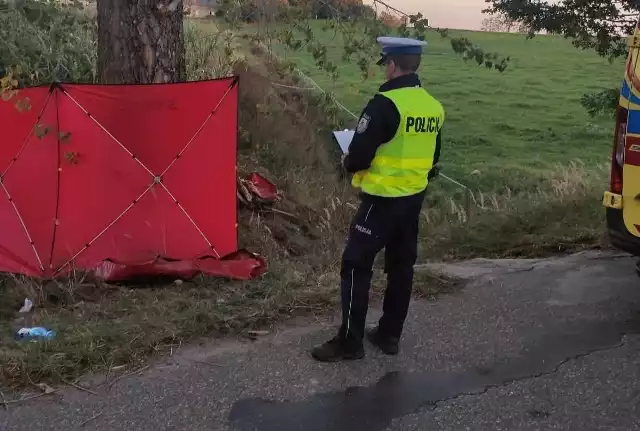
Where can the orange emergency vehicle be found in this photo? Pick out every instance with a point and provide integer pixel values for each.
(622, 201)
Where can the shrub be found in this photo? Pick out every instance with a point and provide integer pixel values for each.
(47, 41)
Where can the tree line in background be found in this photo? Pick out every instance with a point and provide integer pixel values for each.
(251, 11)
(501, 23)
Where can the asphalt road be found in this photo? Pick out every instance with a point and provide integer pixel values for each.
(526, 345)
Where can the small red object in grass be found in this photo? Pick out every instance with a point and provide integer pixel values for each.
(263, 188)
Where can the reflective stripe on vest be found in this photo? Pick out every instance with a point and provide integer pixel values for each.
(401, 166)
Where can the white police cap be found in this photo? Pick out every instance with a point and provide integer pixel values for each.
(399, 46)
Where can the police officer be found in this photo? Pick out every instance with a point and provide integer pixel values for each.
(392, 157)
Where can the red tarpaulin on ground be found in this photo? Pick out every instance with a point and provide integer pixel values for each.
(121, 180)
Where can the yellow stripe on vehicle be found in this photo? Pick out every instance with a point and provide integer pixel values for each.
(624, 102)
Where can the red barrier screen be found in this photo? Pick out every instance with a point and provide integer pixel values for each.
(127, 174)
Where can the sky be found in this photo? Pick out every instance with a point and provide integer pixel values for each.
(465, 14)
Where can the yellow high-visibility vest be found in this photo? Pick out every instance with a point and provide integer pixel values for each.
(401, 166)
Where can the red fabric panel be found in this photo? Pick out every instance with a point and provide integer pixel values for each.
(203, 180)
(16, 255)
(22, 123)
(98, 196)
(153, 228)
(94, 190)
(156, 121)
(30, 180)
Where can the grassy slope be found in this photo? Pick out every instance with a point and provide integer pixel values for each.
(512, 127)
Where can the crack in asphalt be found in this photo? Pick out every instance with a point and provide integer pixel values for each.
(438, 404)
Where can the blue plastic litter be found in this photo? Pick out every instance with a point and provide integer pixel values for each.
(36, 333)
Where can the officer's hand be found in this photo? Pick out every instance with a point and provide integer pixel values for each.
(434, 172)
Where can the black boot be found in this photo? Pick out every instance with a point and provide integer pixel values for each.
(338, 349)
(388, 345)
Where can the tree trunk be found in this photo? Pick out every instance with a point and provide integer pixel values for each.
(140, 41)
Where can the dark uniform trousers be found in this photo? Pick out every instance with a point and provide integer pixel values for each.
(392, 224)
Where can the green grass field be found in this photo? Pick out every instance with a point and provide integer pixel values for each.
(512, 127)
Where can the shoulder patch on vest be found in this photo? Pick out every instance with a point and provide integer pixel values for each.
(363, 123)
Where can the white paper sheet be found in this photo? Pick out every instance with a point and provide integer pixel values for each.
(343, 138)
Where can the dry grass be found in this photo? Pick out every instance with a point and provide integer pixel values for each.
(102, 326)
(563, 215)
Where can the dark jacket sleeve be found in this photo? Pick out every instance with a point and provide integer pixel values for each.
(435, 170)
(377, 125)
(436, 155)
